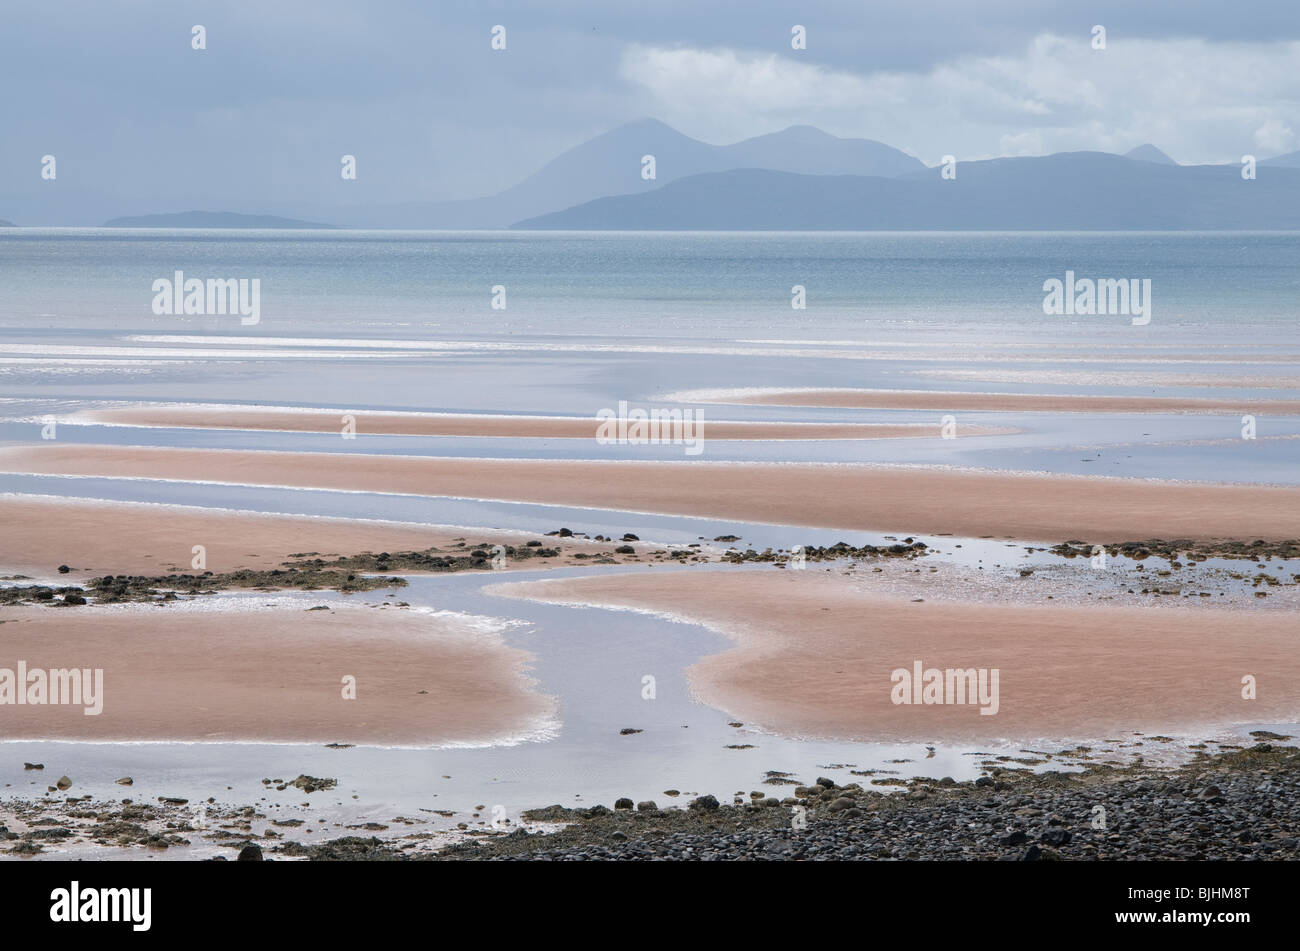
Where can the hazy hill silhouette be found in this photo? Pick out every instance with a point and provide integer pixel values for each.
(1067, 191)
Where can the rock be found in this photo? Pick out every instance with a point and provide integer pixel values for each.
(983, 781)
(648, 805)
(623, 804)
(628, 731)
(1056, 837)
(823, 781)
(33, 765)
(63, 782)
(1266, 735)
(251, 852)
(706, 803)
(309, 784)
(629, 537)
(125, 781)
(618, 836)
(1033, 822)
(64, 569)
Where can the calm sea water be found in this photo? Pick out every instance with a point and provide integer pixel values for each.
(1233, 288)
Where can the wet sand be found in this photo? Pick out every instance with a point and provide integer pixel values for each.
(93, 537)
(937, 401)
(516, 427)
(192, 673)
(814, 655)
(1047, 508)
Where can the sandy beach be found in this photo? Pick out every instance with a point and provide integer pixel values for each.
(908, 499)
(93, 537)
(814, 655)
(201, 672)
(519, 427)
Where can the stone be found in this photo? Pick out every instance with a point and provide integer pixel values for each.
(1056, 837)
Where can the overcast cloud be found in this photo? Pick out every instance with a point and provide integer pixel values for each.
(414, 90)
(1201, 101)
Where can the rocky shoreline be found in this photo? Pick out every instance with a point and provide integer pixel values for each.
(1242, 804)
(305, 571)
(1238, 805)
(308, 571)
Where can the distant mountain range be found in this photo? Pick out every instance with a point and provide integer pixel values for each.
(610, 164)
(1085, 191)
(209, 219)
(1290, 160)
(6, 224)
(798, 179)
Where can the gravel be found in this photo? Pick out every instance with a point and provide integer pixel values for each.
(1242, 805)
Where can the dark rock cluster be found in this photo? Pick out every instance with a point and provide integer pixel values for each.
(908, 548)
(1243, 805)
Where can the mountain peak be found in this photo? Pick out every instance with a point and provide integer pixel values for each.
(805, 132)
(1149, 153)
(646, 122)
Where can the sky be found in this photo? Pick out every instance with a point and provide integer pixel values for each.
(114, 89)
